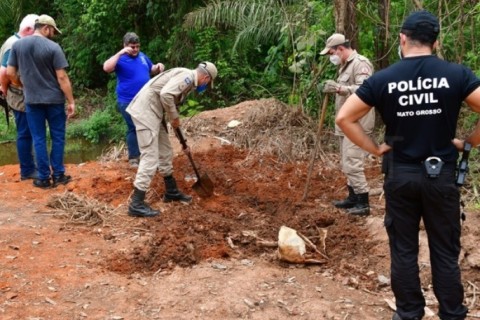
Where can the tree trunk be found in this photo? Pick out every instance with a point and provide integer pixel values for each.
(346, 21)
(381, 43)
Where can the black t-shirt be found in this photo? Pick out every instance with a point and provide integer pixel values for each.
(419, 100)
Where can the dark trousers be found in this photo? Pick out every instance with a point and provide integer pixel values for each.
(131, 137)
(411, 196)
(24, 144)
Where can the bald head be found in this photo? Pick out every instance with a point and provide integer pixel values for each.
(27, 26)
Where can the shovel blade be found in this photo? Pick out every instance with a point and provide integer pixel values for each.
(204, 186)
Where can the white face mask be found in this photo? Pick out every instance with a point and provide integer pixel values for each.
(335, 59)
(400, 52)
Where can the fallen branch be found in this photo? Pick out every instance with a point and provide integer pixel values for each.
(474, 298)
(266, 243)
(80, 210)
(311, 245)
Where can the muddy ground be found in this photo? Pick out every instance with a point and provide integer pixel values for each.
(73, 252)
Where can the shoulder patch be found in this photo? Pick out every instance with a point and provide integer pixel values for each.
(182, 86)
(188, 81)
(364, 70)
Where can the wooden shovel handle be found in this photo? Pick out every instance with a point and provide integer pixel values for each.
(317, 145)
(183, 142)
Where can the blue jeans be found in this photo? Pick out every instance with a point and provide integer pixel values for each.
(132, 143)
(24, 144)
(38, 115)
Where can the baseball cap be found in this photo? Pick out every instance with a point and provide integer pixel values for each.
(335, 39)
(210, 68)
(422, 21)
(45, 19)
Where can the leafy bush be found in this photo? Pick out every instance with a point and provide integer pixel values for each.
(7, 132)
(102, 124)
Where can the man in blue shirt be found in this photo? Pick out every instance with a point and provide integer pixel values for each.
(133, 69)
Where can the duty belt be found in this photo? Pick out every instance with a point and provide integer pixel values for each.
(420, 167)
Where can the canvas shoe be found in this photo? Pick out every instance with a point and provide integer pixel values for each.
(134, 162)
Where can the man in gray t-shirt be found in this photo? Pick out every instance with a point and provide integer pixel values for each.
(39, 64)
(37, 71)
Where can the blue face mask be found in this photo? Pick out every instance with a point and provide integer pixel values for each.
(202, 87)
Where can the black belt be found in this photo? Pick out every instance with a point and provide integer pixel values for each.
(397, 168)
(420, 165)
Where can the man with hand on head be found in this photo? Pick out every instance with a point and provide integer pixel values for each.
(353, 70)
(133, 69)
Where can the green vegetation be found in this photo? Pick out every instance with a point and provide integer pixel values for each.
(7, 132)
(262, 48)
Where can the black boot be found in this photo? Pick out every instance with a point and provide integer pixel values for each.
(397, 317)
(138, 207)
(172, 193)
(348, 202)
(361, 207)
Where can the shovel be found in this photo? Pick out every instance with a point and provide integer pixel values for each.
(317, 145)
(204, 186)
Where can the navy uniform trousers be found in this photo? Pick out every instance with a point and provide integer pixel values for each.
(410, 196)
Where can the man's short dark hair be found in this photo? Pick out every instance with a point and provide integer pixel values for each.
(130, 37)
(424, 37)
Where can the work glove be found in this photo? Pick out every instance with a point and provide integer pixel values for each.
(331, 86)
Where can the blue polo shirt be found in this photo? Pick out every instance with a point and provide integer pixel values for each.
(132, 73)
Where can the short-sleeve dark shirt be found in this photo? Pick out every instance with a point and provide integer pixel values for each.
(37, 59)
(419, 100)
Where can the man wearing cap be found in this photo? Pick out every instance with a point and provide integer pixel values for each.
(419, 99)
(157, 102)
(353, 70)
(14, 96)
(133, 69)
(39, 65)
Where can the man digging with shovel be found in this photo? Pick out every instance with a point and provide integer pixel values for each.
(155, 102)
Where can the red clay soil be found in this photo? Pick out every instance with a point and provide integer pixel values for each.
(254, 196)
(251, 194)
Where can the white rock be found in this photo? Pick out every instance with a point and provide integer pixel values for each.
(233, 124)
